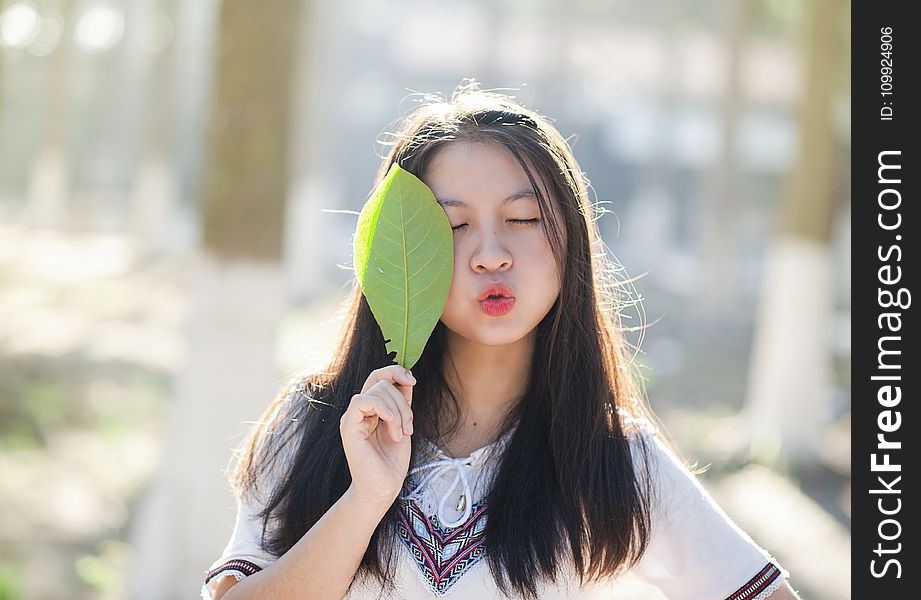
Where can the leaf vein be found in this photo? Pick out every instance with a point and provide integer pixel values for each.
(427, 286)
(405, 284)
(427, 234)
(394, 265)
(420, 269)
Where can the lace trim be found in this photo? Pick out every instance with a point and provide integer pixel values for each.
(761, 585)
(208, 594)
(769, 589)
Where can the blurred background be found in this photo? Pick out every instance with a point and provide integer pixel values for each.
(178, 187)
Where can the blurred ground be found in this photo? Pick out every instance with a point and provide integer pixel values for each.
(90, 340)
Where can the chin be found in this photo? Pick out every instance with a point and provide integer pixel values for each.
(491, 333)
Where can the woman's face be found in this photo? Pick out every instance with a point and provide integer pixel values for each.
(499, 239)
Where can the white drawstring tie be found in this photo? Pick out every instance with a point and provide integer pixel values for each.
(442, 466)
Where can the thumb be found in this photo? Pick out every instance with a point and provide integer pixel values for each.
(405, 385)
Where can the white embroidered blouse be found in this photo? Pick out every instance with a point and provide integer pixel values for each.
(695, 553)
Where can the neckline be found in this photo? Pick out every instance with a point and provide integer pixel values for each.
(504, 437)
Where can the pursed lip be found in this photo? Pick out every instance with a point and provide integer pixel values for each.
(496, 289)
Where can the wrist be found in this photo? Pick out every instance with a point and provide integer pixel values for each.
(372, 507)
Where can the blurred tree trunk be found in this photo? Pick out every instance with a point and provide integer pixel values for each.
(245, 175)
(789, 395)
(50, 172)
(156, 187)
(725, 198)
(237, 299)
(656, 209)
(315, 183)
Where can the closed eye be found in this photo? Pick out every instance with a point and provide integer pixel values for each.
(525, 222)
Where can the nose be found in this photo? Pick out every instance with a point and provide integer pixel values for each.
(490, 254)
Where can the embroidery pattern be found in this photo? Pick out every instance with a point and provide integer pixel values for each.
(442, 553)
(237, 567)
(757, 584)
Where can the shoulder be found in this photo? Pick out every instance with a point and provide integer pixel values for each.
(645, 440)
(652, 448)
(638, 428)
(675, 492)
(265, 459)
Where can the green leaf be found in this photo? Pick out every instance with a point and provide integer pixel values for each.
(404, 261)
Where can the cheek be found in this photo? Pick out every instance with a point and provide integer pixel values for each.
(455, 292)
(544, 257)
(550, 259)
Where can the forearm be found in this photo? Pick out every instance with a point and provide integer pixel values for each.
(323, 562)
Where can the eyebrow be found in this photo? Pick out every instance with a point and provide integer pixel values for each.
(528, 193)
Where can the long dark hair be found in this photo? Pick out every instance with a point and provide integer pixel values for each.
(568, 490)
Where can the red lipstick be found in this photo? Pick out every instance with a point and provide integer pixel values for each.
(496, 299)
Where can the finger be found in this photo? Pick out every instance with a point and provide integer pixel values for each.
(402, 380)
(392, 373)
(400, 403)
(394, 425)
(401, 425)
(375, 407)
(365, 405)
(406, 391)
